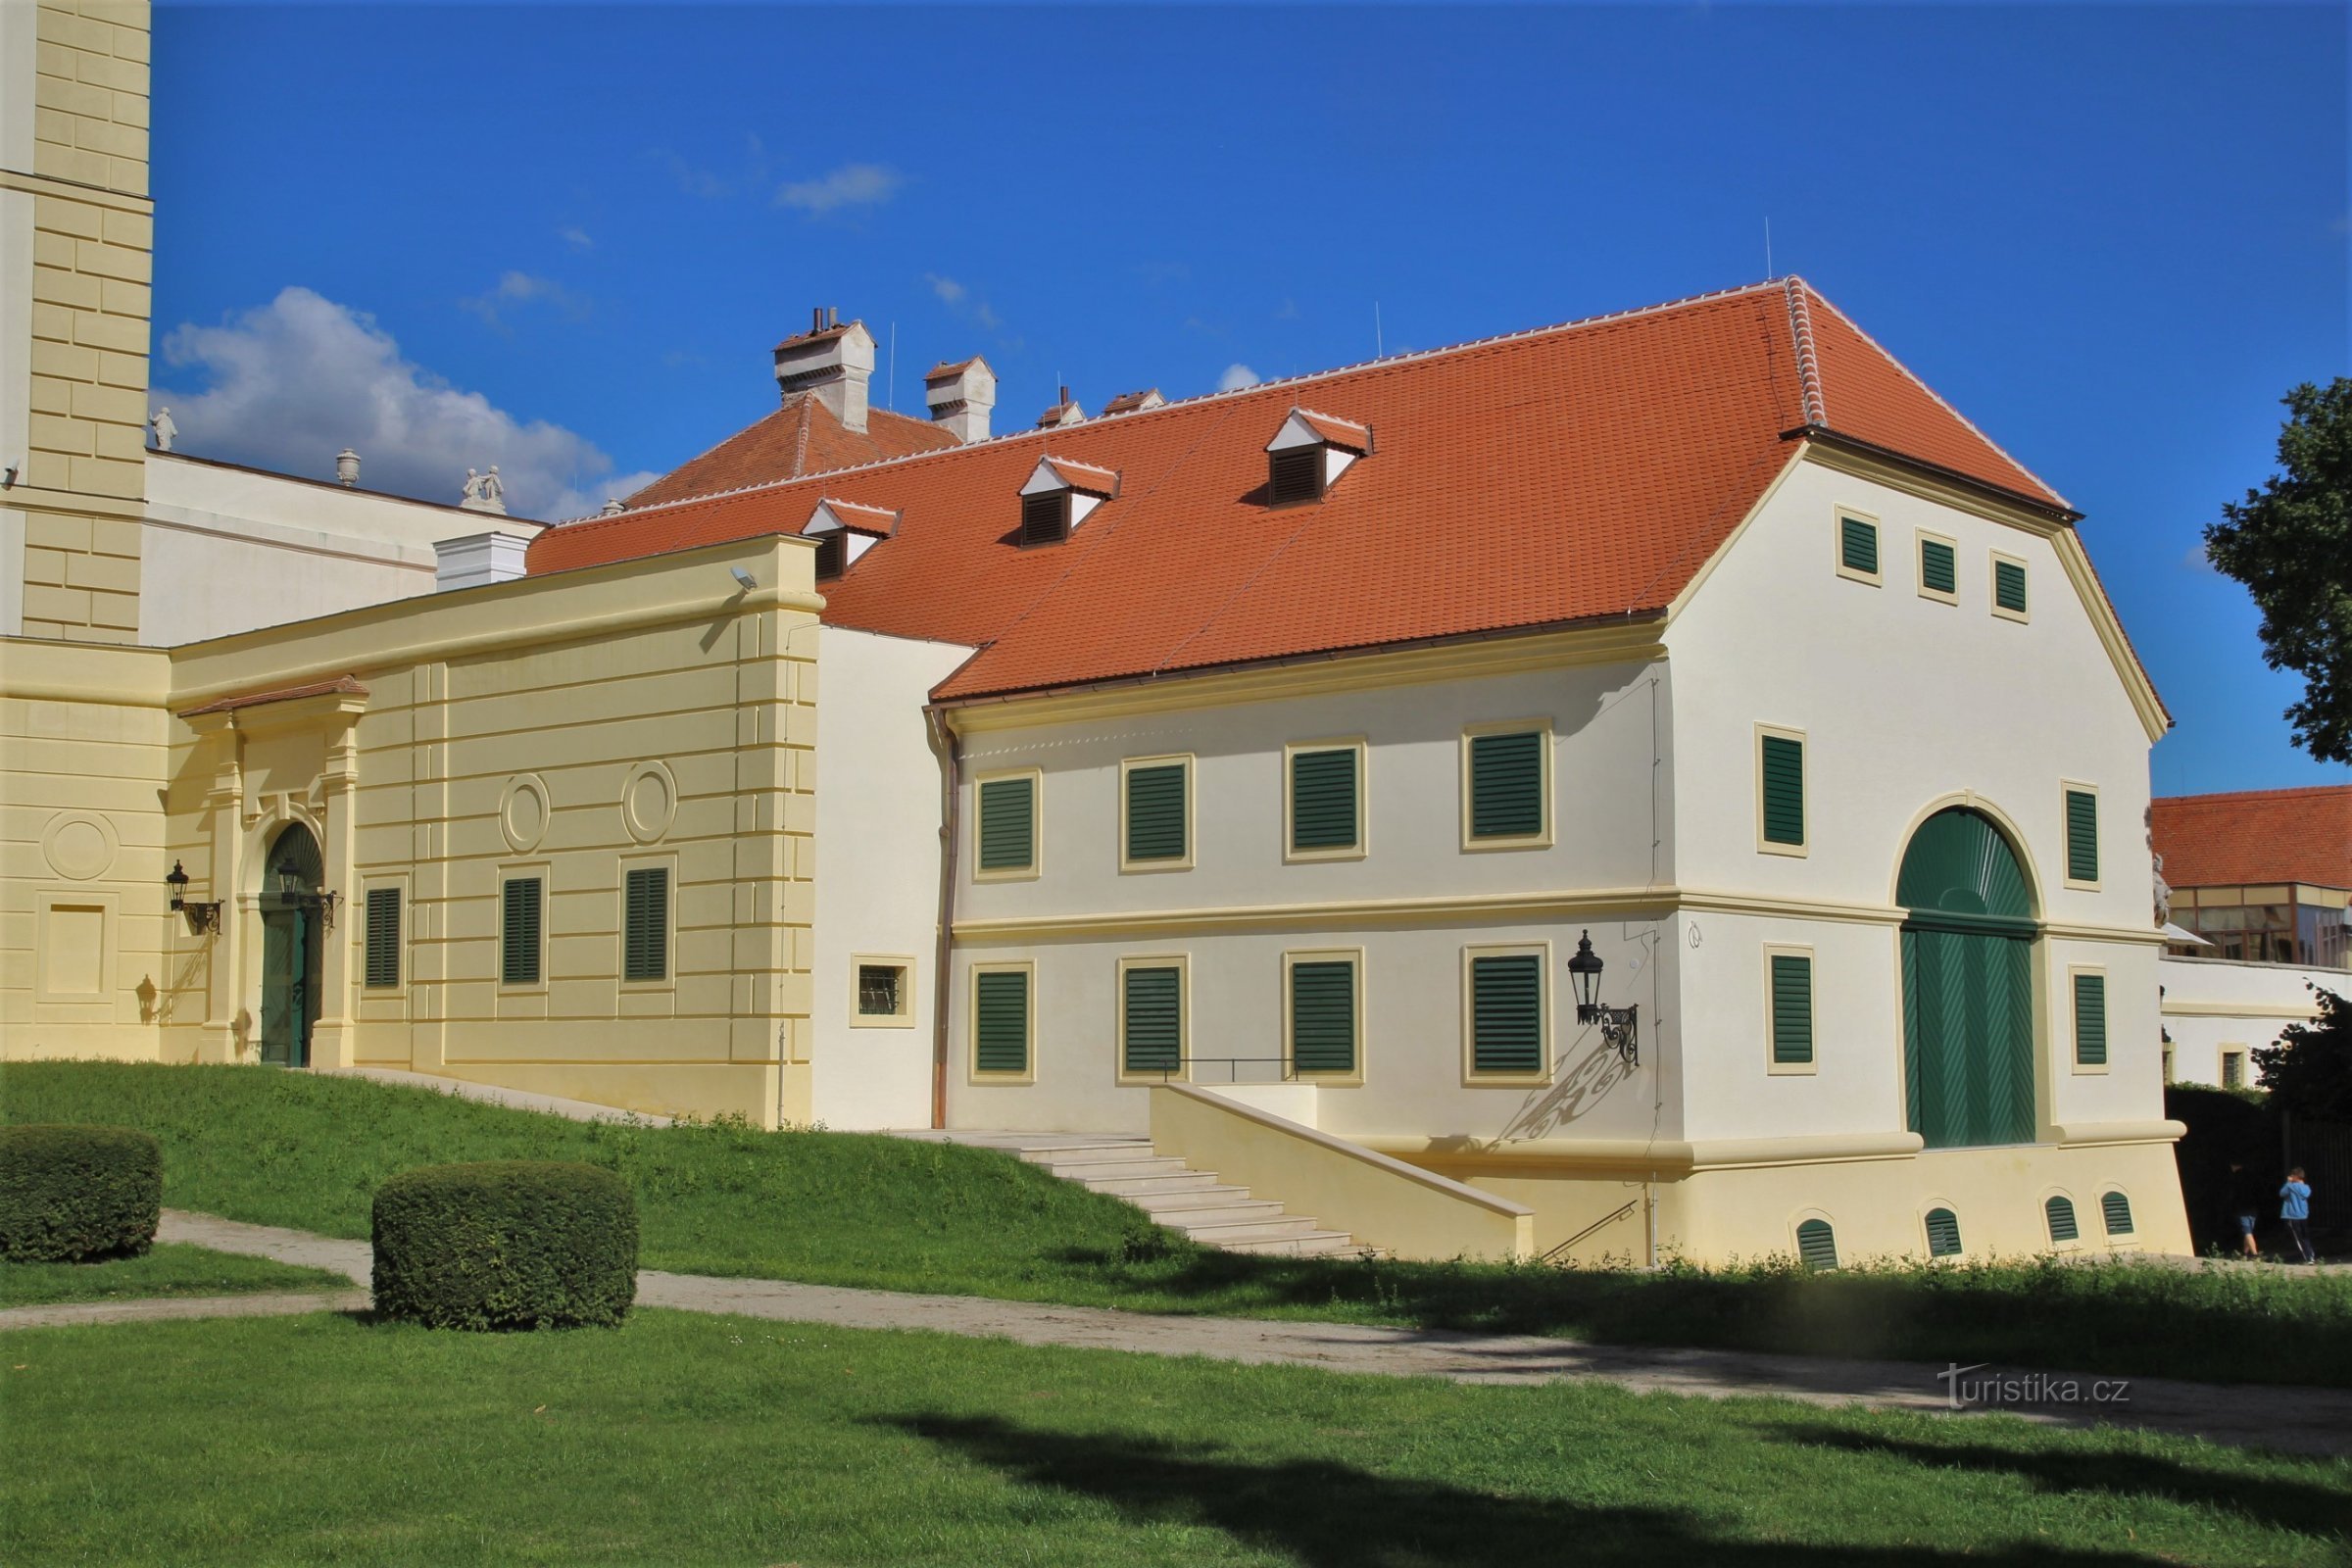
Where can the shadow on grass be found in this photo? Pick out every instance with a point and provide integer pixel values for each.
(2135, 1320)
(2321, 1511)
(1323, 1515)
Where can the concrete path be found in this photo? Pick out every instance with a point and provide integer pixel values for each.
(2295, 1420)
(493, 1094)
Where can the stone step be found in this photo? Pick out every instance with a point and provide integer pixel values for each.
(1196, 1217)
(1314, 1244)
(1268, 1228)
(1037, 1154)
(1090, 1170)
(1135, 1189)
(1206, 1194)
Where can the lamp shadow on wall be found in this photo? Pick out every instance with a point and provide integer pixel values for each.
(1583, 1089)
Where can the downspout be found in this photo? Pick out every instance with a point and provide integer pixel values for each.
(950, 747)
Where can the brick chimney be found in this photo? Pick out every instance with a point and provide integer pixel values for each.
(960, 397)
(832, 360)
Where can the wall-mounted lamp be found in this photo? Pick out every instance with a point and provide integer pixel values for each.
(294, 888)
(1618, 1025)
(201, 917)
(744, 580)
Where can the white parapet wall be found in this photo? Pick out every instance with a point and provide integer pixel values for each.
(1380, 1201)
(2217, 1008)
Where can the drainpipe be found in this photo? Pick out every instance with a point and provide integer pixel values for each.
(949, 748)
(1650, 1206)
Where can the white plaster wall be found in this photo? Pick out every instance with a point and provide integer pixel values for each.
(1610, 831)
(229, 550)
(878, 883)
(2214, 1003)
(1905, 701)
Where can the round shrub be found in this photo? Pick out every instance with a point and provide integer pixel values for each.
(72, 1193)
(506, 1243)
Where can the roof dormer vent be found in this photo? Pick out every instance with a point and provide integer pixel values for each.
(1309, 453)
(1134, 402)
(843, 530)
(1060, 495)
(1066, 411)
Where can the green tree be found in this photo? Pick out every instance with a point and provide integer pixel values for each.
(2309, 1071)
(2291, 543)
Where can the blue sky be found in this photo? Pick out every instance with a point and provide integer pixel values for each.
(564, 238)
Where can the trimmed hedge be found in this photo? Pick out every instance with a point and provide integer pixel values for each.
(506, 1243)
(69, 1193)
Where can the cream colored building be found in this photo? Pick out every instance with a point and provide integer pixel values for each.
(1250, 770)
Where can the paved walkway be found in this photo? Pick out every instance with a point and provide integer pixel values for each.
(2294, 1420)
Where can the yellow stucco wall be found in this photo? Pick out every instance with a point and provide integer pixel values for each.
(567, 727)
(82, 483)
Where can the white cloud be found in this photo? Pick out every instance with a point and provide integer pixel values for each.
(948, 289)
(960, 297)
(524, 288)
(287, 385)
(575, 237)
(1237, 377)
(849, 186)
(2197, 561)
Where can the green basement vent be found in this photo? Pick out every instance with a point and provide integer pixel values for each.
(2116, 1209)
(2060, 1212)
(1817, 1245)
(1943, 1233)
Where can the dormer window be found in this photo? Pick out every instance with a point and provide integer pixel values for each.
(1060, 495)
(843, 530)
(1309, 453)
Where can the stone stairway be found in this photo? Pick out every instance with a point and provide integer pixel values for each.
(1209, 1212)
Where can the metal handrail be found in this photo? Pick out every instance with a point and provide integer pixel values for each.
(1610, 1218)
(1285, 1071)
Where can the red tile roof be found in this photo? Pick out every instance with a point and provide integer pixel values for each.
(880, 521)
(1086, 477)
(2256, 836)
(1339, 432)
(1574, 473)
(800, 438)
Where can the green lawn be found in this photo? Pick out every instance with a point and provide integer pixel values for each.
(713, 1440)
(837, 1208)
(164, 1269)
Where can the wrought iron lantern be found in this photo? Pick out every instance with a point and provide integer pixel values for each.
(202, 916)
(294, 890)
(1619, 1026)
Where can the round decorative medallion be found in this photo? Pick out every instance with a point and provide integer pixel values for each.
(80, 846)
(523, 812)
(649, 802)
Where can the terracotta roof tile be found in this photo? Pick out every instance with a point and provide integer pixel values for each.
(800, 438)
(1339, 432)
(2255, 836)
(879, 522)
(1086, 477)
(1565, 475)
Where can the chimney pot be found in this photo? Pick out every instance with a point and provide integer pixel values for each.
(960, 396)
(833, 364)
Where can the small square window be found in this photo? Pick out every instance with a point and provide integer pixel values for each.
(881, 993)
(2008, 588)
(1858, 547)
(1938, 568)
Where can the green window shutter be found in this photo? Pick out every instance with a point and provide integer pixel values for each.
(1943, 1233)
(2009, 586)
(383, 938)
(1817, 1245)
(1001, 1021)
(1937, 567)
(1858, 545)
(1506, 1014)
(645, 925)
(1156, 812)
(2090, 1020)
(519, 924)
(2081, 836)
(1323, 1015)
(1782, 761)
(1506, 785)
(2116, 1209)
(1007, 824)
(1792, 1008)
(2060, 1215)
(1155, 1020)
(1323, 800)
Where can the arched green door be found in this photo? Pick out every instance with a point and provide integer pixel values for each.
(292, 953)
(1967, 984)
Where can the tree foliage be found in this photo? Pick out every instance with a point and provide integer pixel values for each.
(2291, 543)
(2309, 1071)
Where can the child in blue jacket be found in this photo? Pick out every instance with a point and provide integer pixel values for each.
(2294, 1208)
